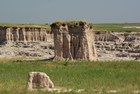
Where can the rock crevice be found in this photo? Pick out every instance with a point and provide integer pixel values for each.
(73, 41)
(117, 45)
(23, 34)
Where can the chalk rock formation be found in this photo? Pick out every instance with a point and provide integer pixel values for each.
(39, 80)
(108, 36)
(23, 34)
(117, 45)
(73, 41)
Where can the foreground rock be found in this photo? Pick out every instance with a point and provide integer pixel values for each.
(73, 41)
(39, 80)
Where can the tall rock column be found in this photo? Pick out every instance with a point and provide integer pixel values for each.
(58, 40)
(8, 34)
(74, 41)
(3, 34)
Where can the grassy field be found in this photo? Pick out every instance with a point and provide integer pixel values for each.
(47, 26)
(93, 77)
(120, 27)
(115, 27)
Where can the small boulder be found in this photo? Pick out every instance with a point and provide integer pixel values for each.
(39, 80)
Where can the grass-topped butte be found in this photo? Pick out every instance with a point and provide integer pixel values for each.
(93, 77)
(115, 27)
(69, 22)
(26, 25)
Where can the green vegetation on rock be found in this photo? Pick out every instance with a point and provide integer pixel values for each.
(26, 25)
(115, 27)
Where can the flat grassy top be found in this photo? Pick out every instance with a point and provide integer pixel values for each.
(26, 25)
(94, 77)
(115, 27)
(120, 27)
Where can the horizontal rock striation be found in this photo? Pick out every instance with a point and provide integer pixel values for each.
(23, 34)
(38, 42)
(117, 45)
(108, 36)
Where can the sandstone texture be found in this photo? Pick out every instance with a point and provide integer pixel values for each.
(73, 41)
(26, 41)
(36, 50)
(117, 45)
(23, 34)
(39, 80)
(109, 45)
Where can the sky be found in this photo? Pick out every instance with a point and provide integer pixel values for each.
(48, 11)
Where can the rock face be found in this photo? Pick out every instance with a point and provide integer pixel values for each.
(108, 36)
(117, 45)
(23, 34)
(36, 50)
(70, 43)
(73, 41)
(39, 80)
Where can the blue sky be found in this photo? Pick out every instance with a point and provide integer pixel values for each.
(48, 11)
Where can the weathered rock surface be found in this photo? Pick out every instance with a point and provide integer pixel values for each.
(73, 41)
(39, 80)
(23, 34)
(38, 50)
(26, 41)
(109, 45)
(118, 46)
(108, 36)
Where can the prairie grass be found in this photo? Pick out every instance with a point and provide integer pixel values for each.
(47, 26)
(117, 27)
(93, 77)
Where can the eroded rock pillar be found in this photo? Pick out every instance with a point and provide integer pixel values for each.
(74, 41)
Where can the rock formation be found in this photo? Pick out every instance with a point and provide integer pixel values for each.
(108, 36)
(23, 34)
(70, 42)
(73, 41)
(117, 45)
(39, 80)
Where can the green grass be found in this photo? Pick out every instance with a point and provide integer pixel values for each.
(47, 26)
(91, 76)
(117, 27)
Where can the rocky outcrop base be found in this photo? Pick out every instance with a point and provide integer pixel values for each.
(73, 41)
(23, 34)
(118, 46)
